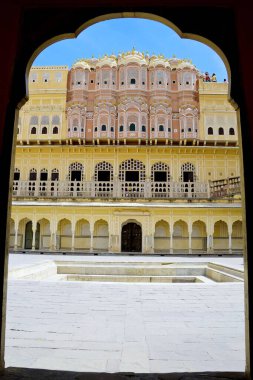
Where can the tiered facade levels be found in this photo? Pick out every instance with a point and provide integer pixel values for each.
(122, 149)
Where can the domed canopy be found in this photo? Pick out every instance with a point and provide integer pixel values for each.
(82, 64)
(159, 61)
(107, 61)
(132, 57)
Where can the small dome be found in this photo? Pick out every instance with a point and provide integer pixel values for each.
(132, 57)
(107, 61)
(158, 61)
(186, 65)
(81, 65)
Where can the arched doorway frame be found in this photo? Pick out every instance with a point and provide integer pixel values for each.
(138, 224)
(186, 35)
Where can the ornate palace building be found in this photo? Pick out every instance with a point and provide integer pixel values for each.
(127, 153)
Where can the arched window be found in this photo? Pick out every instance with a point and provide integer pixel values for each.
(231, 131)
(44, 130)
(56, 120)
(160, 172)
(55, 131)
(45, 120)
(55, 175)
(132, 170)
(161, 128)
(143, 128)
(76, 172)
(33, 131)
(103, 128)
(16, 176)
(210, 131)
(132, 81)
(132, 127)
(34, 120)
(33, 175)
(75, 123)
(103, 172)
(96, 129)
(43, 174)
(121, 128)
(188, 172)
(112, 129)
(221, 131)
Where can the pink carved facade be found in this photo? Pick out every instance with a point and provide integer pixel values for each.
(133, 98)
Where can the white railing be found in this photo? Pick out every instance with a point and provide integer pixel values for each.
(110, 189)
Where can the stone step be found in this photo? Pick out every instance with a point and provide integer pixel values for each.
(124, 278)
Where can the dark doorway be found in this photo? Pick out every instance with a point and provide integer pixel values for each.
(76, 175)
(187, 176)
(28, 235)
(131, 238)
(132, 176)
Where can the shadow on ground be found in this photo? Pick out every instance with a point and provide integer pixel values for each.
(43, 374)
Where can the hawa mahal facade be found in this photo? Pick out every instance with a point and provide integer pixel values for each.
(127, 153)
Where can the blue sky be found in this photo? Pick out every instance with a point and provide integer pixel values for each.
(118, 35)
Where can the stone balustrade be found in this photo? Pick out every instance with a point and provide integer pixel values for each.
(127, 190)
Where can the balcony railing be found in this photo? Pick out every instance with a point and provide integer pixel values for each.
(225, 187)
(110, 189)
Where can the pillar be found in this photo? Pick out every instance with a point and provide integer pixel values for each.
(91, 239)
(171, 239)
(190, 238)
(230, 238)
(16, 236)
(73, 241)
(34, 234)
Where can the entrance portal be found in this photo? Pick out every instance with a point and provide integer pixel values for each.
(131, 238)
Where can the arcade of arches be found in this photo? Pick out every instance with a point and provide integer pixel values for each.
(144, 231)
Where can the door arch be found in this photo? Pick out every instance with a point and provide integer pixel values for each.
(131, 237)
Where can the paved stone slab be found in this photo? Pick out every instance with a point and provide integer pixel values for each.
(96, 327)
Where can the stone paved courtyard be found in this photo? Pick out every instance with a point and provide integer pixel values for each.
(112, 327)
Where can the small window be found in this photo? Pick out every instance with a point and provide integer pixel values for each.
(92, 81)
(152, 129)
(221, 131)
(169, 129)
(210, 131)
(112, 129)
(187, 82)
(44, 130)
(121, 128)
(182, 130)
(33, 131)
(159, 82)
(32, 175)
(55, 130)
(231, 131)
(103, 128)
(143, 128)
(75, 129)
(16, 176)
(132, 81)
(132, 127)
(189, 129)
(143, 83)
(78, 82)
(105, 81)
(82, 129)
(174, 81)
(161, 128)
(122, 83)
(96, 129)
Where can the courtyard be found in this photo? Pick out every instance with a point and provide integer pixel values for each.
(142, 327)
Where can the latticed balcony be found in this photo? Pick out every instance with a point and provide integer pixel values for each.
(126, 189)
